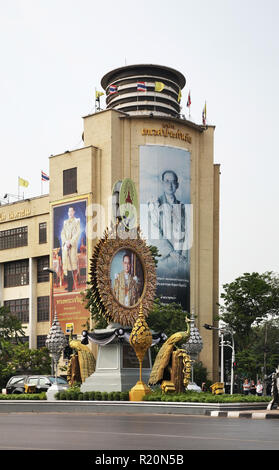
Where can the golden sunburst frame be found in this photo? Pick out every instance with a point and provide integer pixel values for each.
(112, 242)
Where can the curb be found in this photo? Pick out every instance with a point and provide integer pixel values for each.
(233, 410)
(242, 414)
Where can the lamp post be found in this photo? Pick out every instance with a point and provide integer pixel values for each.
(222, 331)
(52, 272)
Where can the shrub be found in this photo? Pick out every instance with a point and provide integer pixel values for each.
(191, 397)
(24, 396)
(62, 395)
(98, 396)
(124, 396)
(116, 396)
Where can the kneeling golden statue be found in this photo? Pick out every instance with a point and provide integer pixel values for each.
(82, 363)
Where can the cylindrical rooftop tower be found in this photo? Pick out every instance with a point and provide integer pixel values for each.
(144, 89)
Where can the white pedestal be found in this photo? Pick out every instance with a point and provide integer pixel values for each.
(117, 369)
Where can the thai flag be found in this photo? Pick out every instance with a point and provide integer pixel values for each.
(112, 89)
(189, 102)
(44, 176)
(141, 86)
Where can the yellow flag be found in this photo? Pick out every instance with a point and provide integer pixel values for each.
(98, 94)
(179, 96)
(159, 86)
(23, 182)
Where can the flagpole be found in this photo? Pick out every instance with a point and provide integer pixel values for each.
(95, 100)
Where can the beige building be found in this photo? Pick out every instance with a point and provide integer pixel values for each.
(30, 230)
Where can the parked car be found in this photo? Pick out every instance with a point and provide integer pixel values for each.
(16, 384)
(43, 382)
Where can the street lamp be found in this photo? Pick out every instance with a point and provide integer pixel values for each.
(52, 272)
(222, 331)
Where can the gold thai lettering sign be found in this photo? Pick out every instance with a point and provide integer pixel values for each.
(167, 132)
(15, 215)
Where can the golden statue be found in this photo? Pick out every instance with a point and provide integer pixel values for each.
(172, 366)
(82, 363)
(140, 340)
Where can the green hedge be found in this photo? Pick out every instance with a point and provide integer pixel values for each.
(190, 397)
(77, 395)
(204, 397)
(23, 396)
(92, 396)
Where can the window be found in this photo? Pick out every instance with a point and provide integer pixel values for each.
(32, 380)
(19, 308)
(15, 380)
(44, 381)
(41, 341)
(43, 232)
(70, 181)
(19, 340)
(43, 308)
(42, 262)
(13, 238)
(16, 273)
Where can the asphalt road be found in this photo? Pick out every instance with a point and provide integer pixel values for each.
(73, 431)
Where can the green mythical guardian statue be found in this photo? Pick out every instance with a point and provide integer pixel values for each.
(172, 366)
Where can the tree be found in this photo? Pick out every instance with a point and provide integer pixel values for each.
(10, 326)
(261, 357)
(16, 357)
(248, 301)
(250, 308)
(167, 318)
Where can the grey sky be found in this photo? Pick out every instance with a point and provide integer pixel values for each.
(54, 54)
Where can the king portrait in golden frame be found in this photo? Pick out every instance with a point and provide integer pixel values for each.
(123, 276)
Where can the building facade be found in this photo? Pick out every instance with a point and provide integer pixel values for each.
(141, 135)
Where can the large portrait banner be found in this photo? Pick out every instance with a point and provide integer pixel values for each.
(69, 262)
(166, 217)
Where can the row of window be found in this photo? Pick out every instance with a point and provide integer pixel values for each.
(41, 342)
(18, 237)
(20, 308)
(16, 273)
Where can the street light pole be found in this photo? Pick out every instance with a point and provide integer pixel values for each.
(233, 359)
(222, 331)
(222, 357)
(52, 272)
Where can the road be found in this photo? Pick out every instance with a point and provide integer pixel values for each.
(74, 431)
